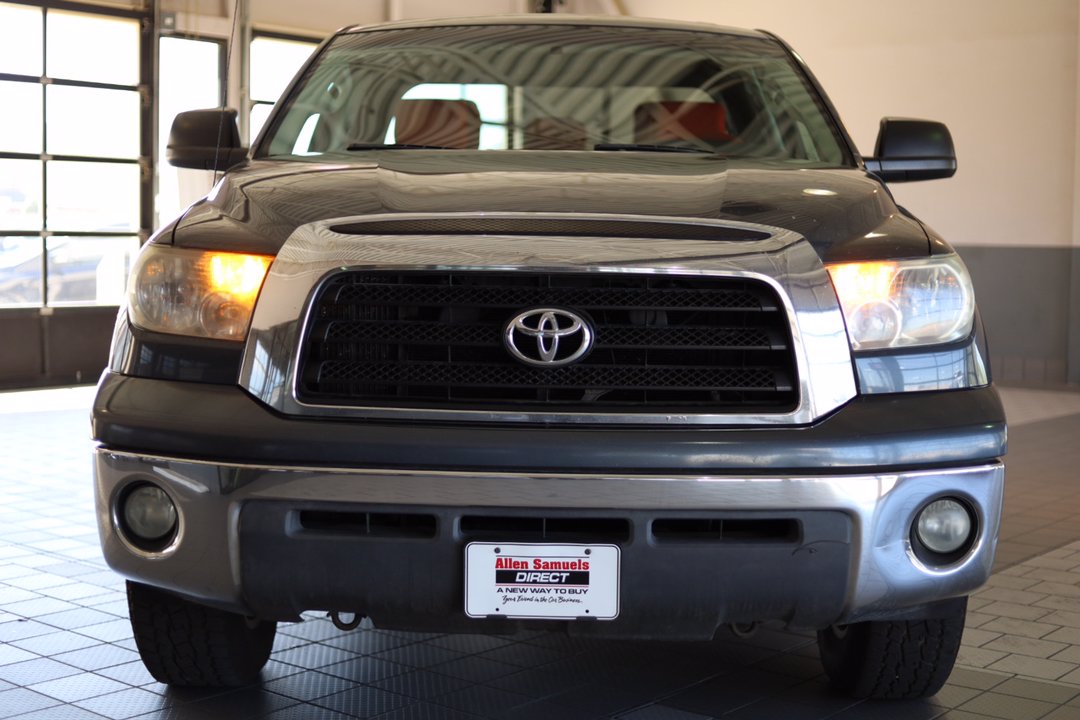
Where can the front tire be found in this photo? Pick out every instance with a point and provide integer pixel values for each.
(187, 644)
(894, 660)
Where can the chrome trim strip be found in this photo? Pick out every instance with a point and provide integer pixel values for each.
(884, 576)
(785, 261)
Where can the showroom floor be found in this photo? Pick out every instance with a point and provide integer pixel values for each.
(66, 651)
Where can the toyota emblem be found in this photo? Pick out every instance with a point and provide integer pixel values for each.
(548, 337)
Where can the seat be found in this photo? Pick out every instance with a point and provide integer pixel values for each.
(553, 133)
(667, 121)
(442, 123)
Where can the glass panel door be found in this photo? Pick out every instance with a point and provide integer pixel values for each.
(74, 166)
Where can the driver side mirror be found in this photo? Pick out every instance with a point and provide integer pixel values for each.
(909, 150)
(205, 140)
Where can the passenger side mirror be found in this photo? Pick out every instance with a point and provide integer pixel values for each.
(910, 150)
(205, 140)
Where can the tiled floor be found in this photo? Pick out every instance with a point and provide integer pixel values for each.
(66, 650)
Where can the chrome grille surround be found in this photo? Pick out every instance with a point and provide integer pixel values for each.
(782, 259)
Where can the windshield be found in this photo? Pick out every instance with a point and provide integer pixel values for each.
(555, 87)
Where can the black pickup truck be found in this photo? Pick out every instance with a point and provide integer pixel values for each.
(591, 324)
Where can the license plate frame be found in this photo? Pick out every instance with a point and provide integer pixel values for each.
(542, 581)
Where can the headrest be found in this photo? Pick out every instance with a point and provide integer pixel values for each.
(670, 120)
(443, 123)
(552, 133)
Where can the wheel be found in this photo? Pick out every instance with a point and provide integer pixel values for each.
(184, 643)
(899, 659)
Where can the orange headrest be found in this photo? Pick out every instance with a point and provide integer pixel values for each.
(670, 120)
(443, 123)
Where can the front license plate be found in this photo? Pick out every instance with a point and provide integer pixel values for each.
(541, 581)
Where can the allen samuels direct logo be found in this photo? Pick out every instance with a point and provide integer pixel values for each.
(542, 575)
(542, 580)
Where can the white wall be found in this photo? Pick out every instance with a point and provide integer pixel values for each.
(314, 17)
(416, 9)
(1001, 74)
(319, 18)
(324, 16)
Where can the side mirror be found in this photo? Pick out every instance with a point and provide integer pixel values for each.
(910, 150)
(205, 140)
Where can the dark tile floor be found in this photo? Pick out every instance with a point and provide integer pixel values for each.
(66, 650)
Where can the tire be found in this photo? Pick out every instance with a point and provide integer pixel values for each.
(894, 660)
(186, 644)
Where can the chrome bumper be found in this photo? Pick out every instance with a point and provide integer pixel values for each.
(885, 577)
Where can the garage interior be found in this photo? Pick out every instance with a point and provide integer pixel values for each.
(83, 183)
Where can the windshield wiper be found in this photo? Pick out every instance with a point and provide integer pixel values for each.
(395, 146)
(651, 148)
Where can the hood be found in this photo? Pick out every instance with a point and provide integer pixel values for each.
(844, 213)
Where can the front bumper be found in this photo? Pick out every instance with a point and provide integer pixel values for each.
(842, 491)
(243, 544)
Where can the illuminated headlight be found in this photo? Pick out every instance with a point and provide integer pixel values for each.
(195, 292)
(906, 302)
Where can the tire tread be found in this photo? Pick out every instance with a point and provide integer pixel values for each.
(901, 659)
(184, 643)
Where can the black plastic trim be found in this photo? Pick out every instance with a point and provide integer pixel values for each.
(533, 529)
(372, 525)
(694, 587)
(162, 356)
(710, 530)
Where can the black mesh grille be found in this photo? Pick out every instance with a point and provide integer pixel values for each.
(661, 343)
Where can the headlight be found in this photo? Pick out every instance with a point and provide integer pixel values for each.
(905, 302)
(195, 292)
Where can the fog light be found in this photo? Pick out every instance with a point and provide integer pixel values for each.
(149, 513)
(944, 526)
